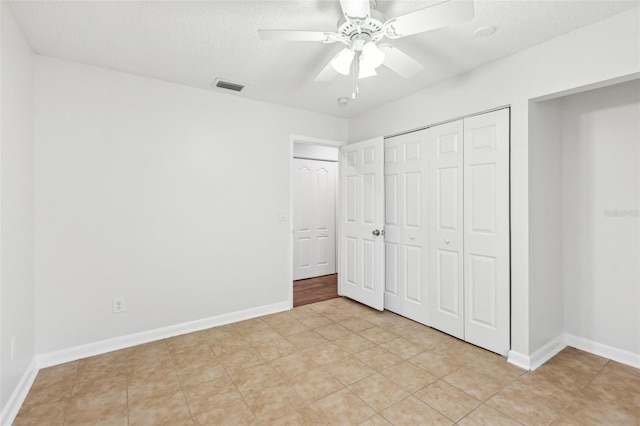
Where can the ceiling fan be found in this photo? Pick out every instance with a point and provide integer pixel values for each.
(362, 27)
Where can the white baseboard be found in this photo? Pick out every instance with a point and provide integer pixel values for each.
(10, 411)
(619, 355)
(548, 351)
(519, 360)
(83, 351)
(539, 357)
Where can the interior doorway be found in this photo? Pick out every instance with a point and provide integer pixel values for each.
(314, 232)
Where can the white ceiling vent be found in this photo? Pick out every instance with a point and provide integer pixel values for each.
(224, 84)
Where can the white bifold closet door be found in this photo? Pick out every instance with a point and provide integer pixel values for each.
(446, 236)
(406, 237)
(486, 230)
(361, 275)
(314, 233)
(447, 228)
(469, 229)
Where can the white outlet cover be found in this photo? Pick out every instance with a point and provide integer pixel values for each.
(117, 305)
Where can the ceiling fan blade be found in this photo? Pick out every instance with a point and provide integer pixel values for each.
(399, 62)
(355, 11)
(297, 35)
(327, 74)
(440, 15)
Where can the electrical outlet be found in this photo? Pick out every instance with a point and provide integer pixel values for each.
(118, 305)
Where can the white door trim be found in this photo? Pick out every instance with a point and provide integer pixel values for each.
(314, 141)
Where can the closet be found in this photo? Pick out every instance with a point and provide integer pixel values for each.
(446, 228)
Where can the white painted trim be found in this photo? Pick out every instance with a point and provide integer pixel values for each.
(109, 345)
(292, 140)
(547, 352)
(539, 357)
(561, 341)
(519, 360)
(615, 354)
(19, 394)
(338, 222)
(588, 87)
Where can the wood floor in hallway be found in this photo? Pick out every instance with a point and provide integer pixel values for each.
(315, 289)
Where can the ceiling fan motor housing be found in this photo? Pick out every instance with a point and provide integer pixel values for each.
(372, 27)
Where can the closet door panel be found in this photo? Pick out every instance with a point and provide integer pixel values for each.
(406, 226)
(392, 232)
(448, 282)
(362, 262)
(486, 224)
(391, 269)
(445, 152)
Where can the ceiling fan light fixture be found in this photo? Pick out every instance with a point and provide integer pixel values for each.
(342, 61)
(372, 56)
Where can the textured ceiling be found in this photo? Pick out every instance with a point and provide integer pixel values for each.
(193, 42)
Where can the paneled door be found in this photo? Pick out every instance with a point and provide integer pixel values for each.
(361, 270)
(486, 230)
(406, 222)
(314, 232)
(446, 298)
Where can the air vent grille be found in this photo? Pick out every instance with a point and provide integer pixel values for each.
(223, 84)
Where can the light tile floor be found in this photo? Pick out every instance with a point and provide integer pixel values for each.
(333, 362)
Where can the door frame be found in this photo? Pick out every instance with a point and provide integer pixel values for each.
(293, 139)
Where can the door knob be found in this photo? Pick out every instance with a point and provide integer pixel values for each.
(376, 232)
(447, 241)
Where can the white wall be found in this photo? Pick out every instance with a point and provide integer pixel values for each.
(545, 223)
(601, 173)
(16, 207)
(609, 49)
(164, 195)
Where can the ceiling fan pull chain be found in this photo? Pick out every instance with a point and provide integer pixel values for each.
(356, 73)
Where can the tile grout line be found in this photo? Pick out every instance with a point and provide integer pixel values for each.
(126, 381)
(68, 404)
(182, 390)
